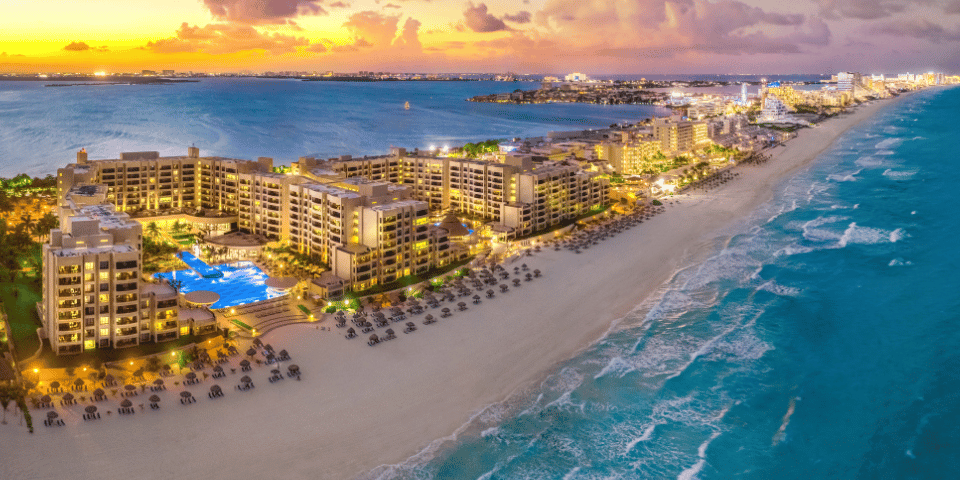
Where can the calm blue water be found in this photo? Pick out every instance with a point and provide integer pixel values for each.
(241, 283)
(42, 128)
(821, 341)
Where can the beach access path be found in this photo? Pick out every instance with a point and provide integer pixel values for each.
(360, 407)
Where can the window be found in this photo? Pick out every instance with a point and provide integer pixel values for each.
(88, 265)
(104, 275)
(104, 332)
(104, 320)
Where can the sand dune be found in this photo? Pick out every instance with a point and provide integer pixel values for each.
(359, 407)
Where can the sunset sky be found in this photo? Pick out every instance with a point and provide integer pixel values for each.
(525, 36)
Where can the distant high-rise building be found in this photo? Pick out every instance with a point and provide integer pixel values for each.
(743, 93)
(848, 81)
(168, 73)
(576, 77)
(148, 72)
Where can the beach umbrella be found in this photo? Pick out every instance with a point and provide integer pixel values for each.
(51, 415)
(154, 398)
(126, 403)
(284, 354)
(129, 387)
(98, 392)
(215, 389)
(245, 379)
(461, 304)
(244, 363)
(78, 382)
(251, 352)
(445, 310)
(109, 379)
(186, 394)
(428, 317)
(218, 369)
(54, 385)
(67, 397)
(374, 338)
(158, 382)
(411, 324)
(191, 376)
(91, 409)
(258, 342)
(45, 399)
(275, 371)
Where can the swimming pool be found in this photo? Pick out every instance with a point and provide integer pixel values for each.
(240, 283)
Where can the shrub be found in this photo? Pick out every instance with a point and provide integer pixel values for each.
(657, 203)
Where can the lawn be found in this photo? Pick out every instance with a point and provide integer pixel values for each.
(22, 315)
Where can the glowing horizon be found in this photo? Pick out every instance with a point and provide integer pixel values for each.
(526, 36)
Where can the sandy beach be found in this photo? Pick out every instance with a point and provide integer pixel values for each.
(357, 407)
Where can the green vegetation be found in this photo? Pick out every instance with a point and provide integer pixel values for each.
(20, 304)
(597, 210)
(473, 150)
(305, 310)
(100, 356)
(656, 203)
(159, 256)
(241, 324)
(412, 279)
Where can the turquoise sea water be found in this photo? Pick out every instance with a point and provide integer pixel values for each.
(42, 128)
(821, 341)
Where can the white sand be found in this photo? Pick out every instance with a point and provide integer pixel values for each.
(360, 407)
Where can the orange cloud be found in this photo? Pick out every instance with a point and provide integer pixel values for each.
(226, 38)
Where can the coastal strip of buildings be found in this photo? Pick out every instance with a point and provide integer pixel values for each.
(371, 220)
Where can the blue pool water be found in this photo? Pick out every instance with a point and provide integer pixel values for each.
(818, 342)
(240, 283)
(199, 266)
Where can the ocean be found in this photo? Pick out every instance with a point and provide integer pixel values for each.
(42, 128)
(819, 340)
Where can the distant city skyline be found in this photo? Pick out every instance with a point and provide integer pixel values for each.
(524, 36)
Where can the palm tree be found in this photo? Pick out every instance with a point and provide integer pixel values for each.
(153, 229)
(46, 223)
(176, 284)
(27, 225)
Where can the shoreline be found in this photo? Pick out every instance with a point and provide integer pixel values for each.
(360, 408)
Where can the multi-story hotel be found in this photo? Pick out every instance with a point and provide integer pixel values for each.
(368, 219)
(92, 293)
(516, 193)
(679, 137)
(631, 156)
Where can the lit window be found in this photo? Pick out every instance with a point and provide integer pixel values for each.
(104, 320)
(104, 332)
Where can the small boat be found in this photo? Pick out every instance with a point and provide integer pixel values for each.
(406, 106)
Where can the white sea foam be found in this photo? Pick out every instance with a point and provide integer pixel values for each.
(777, 289)
(844, 177)
(855, 234)
(616, 366)
(899, 262)
(812, 233)
(782, 431)
(888, 143)
(893, 174)
(691, 472)
(571, 473)
(646, 435)
(870, 162)
(885, 152)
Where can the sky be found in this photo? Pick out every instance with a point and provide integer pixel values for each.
(492, 36)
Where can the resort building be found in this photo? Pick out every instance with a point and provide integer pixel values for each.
(93, 296)
(630, 157)
(519, 194)
(680, 136)
(774, 110)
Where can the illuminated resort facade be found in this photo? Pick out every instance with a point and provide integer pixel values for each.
(369, 220)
